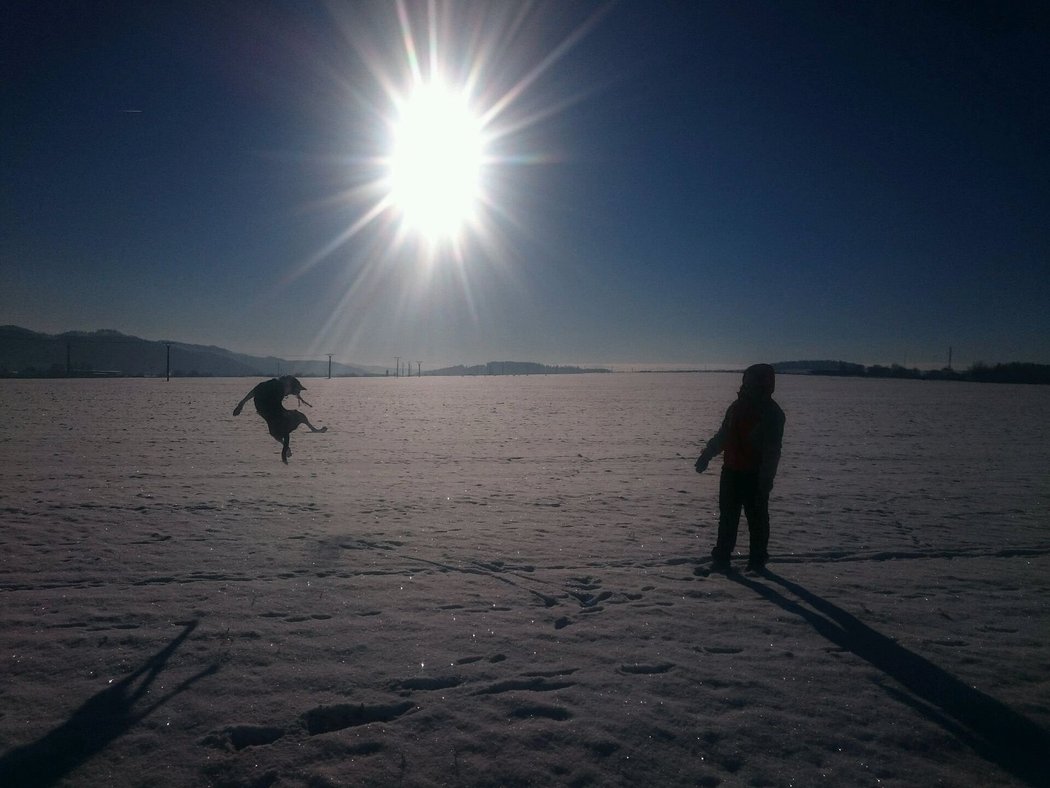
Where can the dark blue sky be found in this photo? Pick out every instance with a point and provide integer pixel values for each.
(677, 183)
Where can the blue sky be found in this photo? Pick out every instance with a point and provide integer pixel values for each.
(679, 183)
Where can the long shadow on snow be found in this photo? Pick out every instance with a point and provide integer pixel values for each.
(994, 730)
(100, 720)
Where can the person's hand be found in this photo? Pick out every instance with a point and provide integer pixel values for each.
(701, 464)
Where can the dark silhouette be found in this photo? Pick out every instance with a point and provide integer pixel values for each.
(102, 719)
(269, 403)
(994, 730)
(751, 436)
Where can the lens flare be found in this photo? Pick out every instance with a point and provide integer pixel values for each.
(443, 101)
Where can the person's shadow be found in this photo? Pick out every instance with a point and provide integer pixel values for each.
(994, 730)
(102, 719)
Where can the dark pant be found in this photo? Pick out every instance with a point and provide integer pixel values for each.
(736, 490)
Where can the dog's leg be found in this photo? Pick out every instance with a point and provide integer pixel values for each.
(286, 452)
(306, 421)
(248, 396)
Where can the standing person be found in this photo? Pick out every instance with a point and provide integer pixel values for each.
(751, 435)
(269, 403)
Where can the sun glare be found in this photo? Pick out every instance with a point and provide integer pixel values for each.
(444, 98)
(435, 162)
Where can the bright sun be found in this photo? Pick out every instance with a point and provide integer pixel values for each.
(435, 163)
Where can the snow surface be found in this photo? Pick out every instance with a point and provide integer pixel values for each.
(502, 581)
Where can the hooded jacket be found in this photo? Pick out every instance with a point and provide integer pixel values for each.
(752, 431)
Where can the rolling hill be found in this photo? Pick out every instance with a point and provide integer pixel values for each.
(106, 352)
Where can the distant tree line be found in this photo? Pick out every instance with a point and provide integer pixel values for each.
(1014, 372)
(513, 368)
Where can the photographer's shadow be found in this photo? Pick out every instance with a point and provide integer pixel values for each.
(100, 720)
(994, 730)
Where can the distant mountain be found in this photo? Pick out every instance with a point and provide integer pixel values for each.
(25, 353)
(513, 368)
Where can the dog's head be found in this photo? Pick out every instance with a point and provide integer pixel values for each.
(292, 385)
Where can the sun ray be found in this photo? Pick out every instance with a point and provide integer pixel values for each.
(408, 41)
(544, 65)
(363, 221)
(435, 61)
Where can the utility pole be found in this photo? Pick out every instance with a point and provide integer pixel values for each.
(167, 347)
(419, 369)
(69, 368)
(397, 360)
(329, 365)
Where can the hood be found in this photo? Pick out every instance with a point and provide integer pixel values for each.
(760, 380)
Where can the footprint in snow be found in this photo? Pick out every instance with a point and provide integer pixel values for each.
(325, 719)
(646, 669)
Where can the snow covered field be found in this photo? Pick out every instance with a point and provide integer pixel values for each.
(500, 581)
